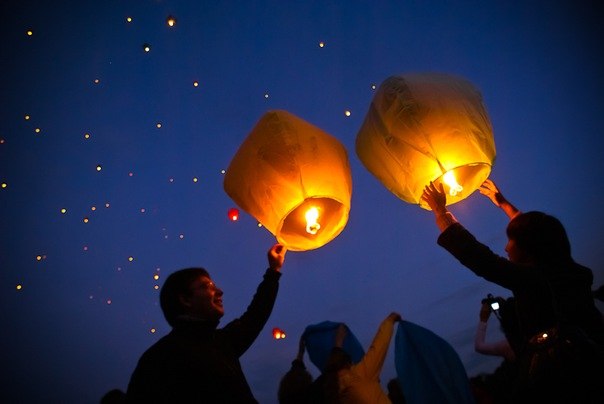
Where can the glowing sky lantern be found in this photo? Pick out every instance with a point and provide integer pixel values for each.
(294, 178)
(233, 214)
(427, 127)
(278, 333)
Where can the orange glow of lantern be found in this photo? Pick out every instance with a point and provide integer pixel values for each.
(294, 178)
(233, 214)
(427, 127)
(278, 333)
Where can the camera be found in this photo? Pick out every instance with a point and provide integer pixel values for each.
(492, 302)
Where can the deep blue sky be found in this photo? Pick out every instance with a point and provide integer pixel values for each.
(538, 66)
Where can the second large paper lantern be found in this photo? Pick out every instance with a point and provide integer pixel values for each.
(294, 178)
(427, 127)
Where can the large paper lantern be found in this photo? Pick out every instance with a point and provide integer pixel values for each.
(294, 179)
(427, 127)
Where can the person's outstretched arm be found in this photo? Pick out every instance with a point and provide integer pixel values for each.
(490, 190)
(437, 200)
(373, 360)
(244, 330)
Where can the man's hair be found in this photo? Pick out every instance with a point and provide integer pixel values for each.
(178, 283)
(540, 236)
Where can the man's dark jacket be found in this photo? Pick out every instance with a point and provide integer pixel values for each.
(199, 363)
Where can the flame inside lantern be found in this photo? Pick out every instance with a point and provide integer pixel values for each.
(311, 215)
(451, 181)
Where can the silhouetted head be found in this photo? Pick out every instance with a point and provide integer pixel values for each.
(191, 292)
(294, 387)
(536, 237)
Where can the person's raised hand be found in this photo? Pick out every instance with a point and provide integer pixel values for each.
(276, 257)
(490, 190)
(435, 198)
(395, 317)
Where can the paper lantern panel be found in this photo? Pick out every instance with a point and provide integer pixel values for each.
(294, 179)
(427, 127)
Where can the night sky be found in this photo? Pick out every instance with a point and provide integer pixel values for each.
(132, 145)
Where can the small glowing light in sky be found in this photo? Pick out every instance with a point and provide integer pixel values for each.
(146, 47)
(347, 113)
(108, 301)
(171, 180)
(19, 287)
(37, 130)
(321, 44)
(143, 210)
(93, 208)
(233, 214)
(27, 117)
(196, 83)
(99, 167)
(2, 141)
(195, 179)
(4, 185)
(259, 224)
(152, 330)
(130, 259)
(171, 21)
(278, 333)
(85, 248)
(38, 258)
(266, 95)
(107, 205)
(181, 236)
(63, 210)
(128, 19)
(158, 125)
(30, 32)
(373, 86)
(86, 135)
(222, 171)
(97, 81)
(85, 220)
(156, 276)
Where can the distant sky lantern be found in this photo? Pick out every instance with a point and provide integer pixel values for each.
(427, 127)
(233, 214)
(146, 47)
(278, 333)
(294, 178)
(171, 21)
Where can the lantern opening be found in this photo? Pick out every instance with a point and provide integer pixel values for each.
(311, 216)
(299, 229)
(470, 175)
(454, 187)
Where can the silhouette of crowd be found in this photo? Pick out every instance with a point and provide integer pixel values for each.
(551, 350)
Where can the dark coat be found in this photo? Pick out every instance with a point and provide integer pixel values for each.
(199, 363)
(531, 285)
(544, 296)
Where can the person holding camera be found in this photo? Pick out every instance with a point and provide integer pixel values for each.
(549, 289)
(498, 348)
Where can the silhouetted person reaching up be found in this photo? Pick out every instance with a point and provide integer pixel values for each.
(198, 362)
(549, 288)
(294, 387)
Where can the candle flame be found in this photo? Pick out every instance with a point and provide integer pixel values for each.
(454, 187)
(312, 226)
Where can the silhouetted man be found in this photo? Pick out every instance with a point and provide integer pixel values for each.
(198, 362)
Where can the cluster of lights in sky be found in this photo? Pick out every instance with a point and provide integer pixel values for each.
(233, 214)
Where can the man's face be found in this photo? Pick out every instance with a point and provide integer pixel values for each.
(204, 299)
